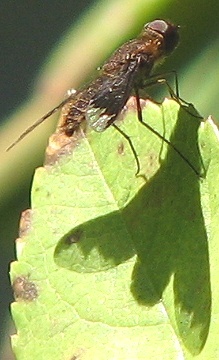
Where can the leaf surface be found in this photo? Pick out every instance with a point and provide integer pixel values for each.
(114, 266)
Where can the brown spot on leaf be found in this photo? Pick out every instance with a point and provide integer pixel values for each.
(24, 290)
(131, 104)
(73, 237)
(60, 145)
(78, 354)
(121, 148)
(25, 223)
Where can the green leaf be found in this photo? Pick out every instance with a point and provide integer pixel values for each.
(116, 266)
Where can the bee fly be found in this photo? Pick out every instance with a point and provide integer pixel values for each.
(126, 72)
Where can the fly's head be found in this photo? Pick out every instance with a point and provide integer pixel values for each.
(160, 38)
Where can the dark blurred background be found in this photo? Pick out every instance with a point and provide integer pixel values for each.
(30, 30)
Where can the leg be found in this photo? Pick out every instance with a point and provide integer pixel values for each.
(139, 111)
(161, 79)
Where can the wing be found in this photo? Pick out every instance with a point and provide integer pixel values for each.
(111, 97)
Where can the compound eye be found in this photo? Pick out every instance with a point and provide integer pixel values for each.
(160, 26)
(168, 31)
